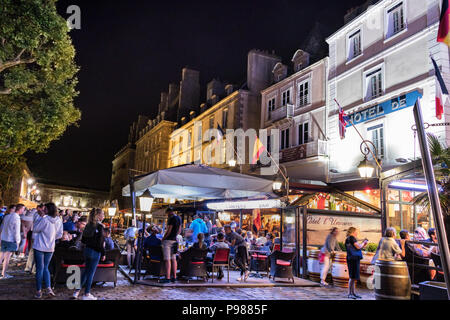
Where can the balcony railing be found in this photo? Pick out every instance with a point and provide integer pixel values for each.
(303, 151)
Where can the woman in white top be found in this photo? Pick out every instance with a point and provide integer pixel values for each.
(47, 228)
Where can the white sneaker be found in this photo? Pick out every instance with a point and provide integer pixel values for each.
(76, 294)
(89, 296)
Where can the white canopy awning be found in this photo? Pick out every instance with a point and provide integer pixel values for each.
(194, 182)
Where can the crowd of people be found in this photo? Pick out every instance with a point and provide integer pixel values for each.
(200, 233)
(389, 248)
(35, 233)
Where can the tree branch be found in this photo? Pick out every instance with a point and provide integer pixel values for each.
(13, 63)
(5, 91)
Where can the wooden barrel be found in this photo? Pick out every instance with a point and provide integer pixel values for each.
(313, 265)
(366, 270)
(339, 270)
(391, 280)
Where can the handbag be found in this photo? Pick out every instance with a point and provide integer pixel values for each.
(353, 254)
(321, 257)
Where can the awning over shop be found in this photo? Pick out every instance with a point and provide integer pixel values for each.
(194, 182)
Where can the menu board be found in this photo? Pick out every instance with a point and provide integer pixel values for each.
(319, 227)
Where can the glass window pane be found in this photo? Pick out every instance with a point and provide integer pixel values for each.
(393, 195)
(408, 217)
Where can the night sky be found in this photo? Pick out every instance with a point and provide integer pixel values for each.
(129, 51)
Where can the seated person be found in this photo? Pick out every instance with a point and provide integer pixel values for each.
(261, 240)
(78, 231)
(421, 235)
(153, 241)
(109, 243)
(220, 244)
(269, 242)
(200, 244)
(66, 239)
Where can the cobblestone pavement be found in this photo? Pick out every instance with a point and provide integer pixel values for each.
(21, 287)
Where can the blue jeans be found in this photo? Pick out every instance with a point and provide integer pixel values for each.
(42, 260)
(91, 260)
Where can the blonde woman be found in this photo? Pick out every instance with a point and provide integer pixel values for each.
(94, 251)
(354, 255)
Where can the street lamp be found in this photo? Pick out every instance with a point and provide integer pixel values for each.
(232, 162)
(30, 181)
(111, 213)
(277, 185)
(146, 201)
(365, 169)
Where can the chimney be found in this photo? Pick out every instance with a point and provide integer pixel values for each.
(174, 90)
(259, 69)
(300, 60)
(189, 92)
(214, 88)
(163, 102)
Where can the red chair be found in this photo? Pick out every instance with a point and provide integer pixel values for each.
(221, 259)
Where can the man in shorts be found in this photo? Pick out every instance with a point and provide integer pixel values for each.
(10, 237)
(168, 242)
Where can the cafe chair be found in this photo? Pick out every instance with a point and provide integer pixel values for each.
(66, 257)
(221, 259)
(416, 272)
(259, 262)
(155, 265)
(281, 265)
(437, 263)
(193, 263)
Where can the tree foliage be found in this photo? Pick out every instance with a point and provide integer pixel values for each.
(37, 80)
(37, 77)
(440, 155)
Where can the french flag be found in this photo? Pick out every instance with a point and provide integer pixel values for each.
(343, 120)
(441, 91)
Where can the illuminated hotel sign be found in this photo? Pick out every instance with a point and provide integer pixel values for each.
(399, 103)
(255, 204)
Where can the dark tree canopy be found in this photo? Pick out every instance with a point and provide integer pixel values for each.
(37, 80)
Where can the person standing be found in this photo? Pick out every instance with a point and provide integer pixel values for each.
(354, 256)
(46, 231)
(94, 251)
(168, 242)
(30, 266)
(198, 226)
(130, 237)
(331, 245)
(241, 255)
(10, 237)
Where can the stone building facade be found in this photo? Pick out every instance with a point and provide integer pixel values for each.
(296, 107)
(227, 107)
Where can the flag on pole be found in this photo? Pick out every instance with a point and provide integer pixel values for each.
(256, 217)
(444, 24)
(441, 91)
(343, 119)
(258, 149)
(221, 134)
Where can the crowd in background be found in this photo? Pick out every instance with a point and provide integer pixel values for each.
(200, 233)
(35, 233)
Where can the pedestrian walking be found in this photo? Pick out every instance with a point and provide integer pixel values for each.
(354, 256)
(94, 251)
(10, 237)
(46, 231)
(328, 250)
(241, 256)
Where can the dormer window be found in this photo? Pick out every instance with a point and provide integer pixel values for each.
(354, 45)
